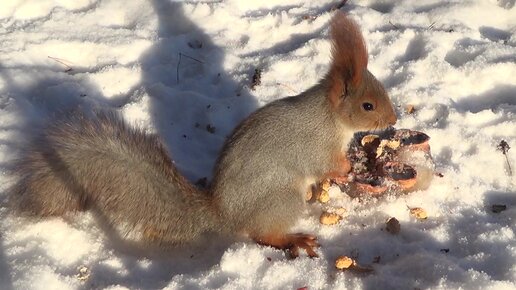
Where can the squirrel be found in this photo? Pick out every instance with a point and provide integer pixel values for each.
(97, 162)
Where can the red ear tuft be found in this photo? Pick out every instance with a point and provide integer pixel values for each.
(349, 54)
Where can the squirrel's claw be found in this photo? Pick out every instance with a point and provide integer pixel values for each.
(304, 241)
(292, 243)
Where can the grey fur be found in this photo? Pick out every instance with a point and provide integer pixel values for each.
(98, 162)
(258, 181)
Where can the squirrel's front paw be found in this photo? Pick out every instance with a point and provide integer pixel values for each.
(292, 243)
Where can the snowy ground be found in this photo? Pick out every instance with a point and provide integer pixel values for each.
(177, 67)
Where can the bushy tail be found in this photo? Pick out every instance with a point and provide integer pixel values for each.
(98, 162)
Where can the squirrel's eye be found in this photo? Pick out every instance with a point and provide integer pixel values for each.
(368, 106)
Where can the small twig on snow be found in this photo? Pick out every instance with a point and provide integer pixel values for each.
(179, 62)
(504, 147)
(288, 87)
(61, 61)
(431, 26)
(393, 25)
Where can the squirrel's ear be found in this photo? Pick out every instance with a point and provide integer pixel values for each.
(349, 56)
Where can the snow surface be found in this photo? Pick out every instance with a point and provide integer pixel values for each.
(455, 61)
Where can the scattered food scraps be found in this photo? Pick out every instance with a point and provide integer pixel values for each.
(410, 109)
(344, 262)
(324, 197)
(418, 213)
(368, 139)
(83, 273)
(498, 208)
(328, 218)
(210, 128)
(347, 263)
(257, 78)
(393, 226)
(339, 210)
(326, 184)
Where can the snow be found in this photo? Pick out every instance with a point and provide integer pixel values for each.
(455, 61)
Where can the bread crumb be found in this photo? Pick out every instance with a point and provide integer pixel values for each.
(328, 218)
(418, 213)
(344, 262)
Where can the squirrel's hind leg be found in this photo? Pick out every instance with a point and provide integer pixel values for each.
(282, 211)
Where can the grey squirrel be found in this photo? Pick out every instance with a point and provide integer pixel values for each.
(97, 162)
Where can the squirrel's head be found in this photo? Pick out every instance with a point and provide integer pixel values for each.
(354, 93)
